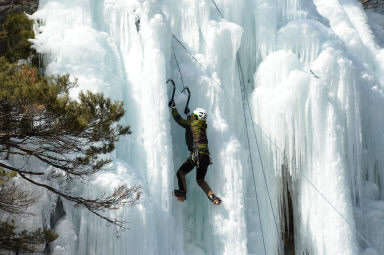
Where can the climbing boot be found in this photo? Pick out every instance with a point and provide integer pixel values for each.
(214, 199)
(180, 195)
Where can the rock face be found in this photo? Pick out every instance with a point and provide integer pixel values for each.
(377, 5)
(8, 6)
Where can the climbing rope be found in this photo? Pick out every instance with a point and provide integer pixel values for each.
(251, 161)
(257, 143)
(306, 178)
(261, 162)
(186, 110)
(177, 63)
(185, 48)
(244, 95)
(218, 10)
(201, 66)
(318, 191)
(254, 181)
(242, 87)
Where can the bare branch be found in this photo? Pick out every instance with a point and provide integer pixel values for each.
(20, 171)
(15, 200)
(41, 121)
(122, 196)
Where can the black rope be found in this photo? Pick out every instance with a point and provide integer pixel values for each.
(251, 160)
(306, 178)
(185, 48)
(318, 191)
(257, 144)
(244, 95)
(201, 66)
(247, 133)
(177, 63)
(218, 10)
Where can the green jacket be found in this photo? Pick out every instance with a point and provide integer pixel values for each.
(195, 132)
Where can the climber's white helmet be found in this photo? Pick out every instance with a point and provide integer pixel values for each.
(200, 113)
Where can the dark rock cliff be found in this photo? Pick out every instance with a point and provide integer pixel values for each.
(8, 6)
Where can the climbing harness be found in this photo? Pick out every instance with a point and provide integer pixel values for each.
(195, 157)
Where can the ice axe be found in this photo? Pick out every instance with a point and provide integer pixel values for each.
(174, 88)
(186, 110)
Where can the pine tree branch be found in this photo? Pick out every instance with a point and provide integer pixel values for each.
(38, 119)
(20, 171)
(60, 163)
(24, 241)
(15, 200)
(101, 203)
(373, 6)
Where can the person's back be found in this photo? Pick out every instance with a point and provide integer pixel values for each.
(199, 131)
(197, 142)
(195, 131)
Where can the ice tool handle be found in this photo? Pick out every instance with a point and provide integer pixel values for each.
(174, 88)
(186, 110)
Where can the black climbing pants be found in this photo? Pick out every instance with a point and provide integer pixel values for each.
(201, 161)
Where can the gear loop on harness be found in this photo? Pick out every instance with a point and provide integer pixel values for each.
(195, 157)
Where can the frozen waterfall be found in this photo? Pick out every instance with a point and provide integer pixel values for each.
(292, 89)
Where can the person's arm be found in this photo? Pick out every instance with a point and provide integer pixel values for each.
(176, 116)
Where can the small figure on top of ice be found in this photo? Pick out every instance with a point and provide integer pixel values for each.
(196, 138)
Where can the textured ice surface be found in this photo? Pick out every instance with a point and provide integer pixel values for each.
(313, 75)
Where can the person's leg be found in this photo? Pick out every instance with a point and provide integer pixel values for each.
(202, 167)
(185, 168)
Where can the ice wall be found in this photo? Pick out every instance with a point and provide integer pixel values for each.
(312, 85)
(317, 86)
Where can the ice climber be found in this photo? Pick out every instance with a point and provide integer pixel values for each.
(196, 138)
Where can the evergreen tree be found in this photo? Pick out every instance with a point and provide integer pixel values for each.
(39, 120)
(15, 201)
(24, 241)
(14, 35)
(13, 198)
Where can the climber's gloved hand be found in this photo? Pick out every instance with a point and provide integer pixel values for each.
(171, 104)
